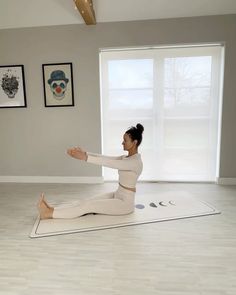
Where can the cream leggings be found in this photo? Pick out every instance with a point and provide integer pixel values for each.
(120, 202)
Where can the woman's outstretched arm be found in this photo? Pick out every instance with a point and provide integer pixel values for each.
(120, 163)
(77, 153)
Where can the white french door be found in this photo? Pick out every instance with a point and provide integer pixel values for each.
(175, 93)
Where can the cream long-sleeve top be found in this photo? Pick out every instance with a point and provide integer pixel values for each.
(129, 167)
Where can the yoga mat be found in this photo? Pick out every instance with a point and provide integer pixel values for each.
(149, 207)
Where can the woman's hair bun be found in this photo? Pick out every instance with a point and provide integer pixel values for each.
(135, 133)
(140, 128)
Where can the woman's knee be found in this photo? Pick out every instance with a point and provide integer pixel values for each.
(129, 208)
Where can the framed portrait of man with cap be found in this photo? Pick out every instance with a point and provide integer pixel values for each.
(58, 85)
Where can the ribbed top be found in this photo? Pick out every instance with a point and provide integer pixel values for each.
(129, 168)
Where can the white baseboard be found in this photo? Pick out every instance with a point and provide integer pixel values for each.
(74, 179)
(50, 179)
(226, 181)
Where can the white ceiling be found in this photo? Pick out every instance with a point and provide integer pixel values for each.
(31, 13)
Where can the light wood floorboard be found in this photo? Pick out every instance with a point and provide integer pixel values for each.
(181, 257)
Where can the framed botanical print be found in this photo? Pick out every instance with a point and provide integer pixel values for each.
(12, 87)
(58, 85)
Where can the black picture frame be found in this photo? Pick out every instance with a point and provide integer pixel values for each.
(12, 86)
(58, 84)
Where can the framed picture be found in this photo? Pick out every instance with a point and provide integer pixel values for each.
(12, 87)
(58, 85)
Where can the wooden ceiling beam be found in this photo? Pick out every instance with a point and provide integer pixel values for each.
(86, 10)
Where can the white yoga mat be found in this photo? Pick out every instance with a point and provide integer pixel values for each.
(149, 208)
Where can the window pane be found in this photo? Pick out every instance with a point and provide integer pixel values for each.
(185, 164)
(189, 97)
(131, 73)
(131, 99)
(186, 134)
(187, 91)
(188, 71)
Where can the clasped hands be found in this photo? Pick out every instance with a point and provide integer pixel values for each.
(77, 153)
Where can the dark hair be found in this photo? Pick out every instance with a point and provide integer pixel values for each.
(135, 133)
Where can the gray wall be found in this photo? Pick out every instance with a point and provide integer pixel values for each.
(33, 140)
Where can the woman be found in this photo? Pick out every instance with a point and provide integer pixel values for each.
(119, 202)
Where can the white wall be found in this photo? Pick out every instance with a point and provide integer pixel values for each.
(33, 140)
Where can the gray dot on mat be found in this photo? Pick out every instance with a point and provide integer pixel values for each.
(140, 206)
(153, 205)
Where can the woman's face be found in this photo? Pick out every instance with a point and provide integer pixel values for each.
(128, 143)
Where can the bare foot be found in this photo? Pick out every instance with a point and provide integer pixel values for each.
(45, 202)
(44, 209)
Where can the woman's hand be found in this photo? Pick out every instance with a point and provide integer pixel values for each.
(77, 153)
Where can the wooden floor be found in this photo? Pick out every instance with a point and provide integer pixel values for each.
(188, 256)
